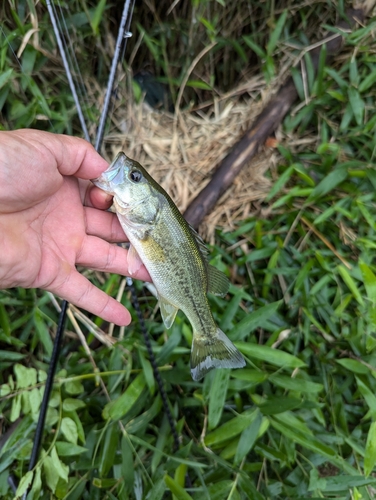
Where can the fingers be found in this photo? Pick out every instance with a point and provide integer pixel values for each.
(105, 225)
(102, 256)
(97, 198)
(80, 292)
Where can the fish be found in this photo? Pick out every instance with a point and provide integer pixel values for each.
(176, 258)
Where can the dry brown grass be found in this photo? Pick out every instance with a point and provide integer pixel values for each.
(181, 152)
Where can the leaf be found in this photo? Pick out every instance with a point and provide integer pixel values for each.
(157, 491)
(175, 458)
(217, 398)
(274, 37)
(51, 476)
(310, 442)
(269, 355)
(272, 264)
(4, 320)
(24, 483)
(248, 438)
(217, 491)
(344, 483)
(253, 45)
(275, 405)
(26, 377)
(370, 456)
(60, 468)
(35, 400)
(280, 182)
(65, 449)
(367, 82)
(38, 94)
(148, 372)
(69, 429)
(321, 70)
(368, 396)
(120, 407)
(34, 493)
(127, 466)
(70, 404)
(231, 428)
(353, 365)
(74, 387)
(353, 71)
(369, 281)
(357, 104)
(16, 408)
(180, 474)
(298, 82)
(97, 16)
(108, 454)
(315, 481)
(5, 77)
(178, 492)
(43, 333)
(254, 320)
(54, 469)
(11, 356)
(296, 384)
(345, 275)
(328, 183)
(198, 84)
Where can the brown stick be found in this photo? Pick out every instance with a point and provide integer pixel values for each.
(265, 124)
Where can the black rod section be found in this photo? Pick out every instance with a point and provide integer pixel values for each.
(48, 388)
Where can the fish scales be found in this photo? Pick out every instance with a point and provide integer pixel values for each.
(178, 259)
(175, 257)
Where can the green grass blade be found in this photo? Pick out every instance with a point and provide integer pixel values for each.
(217, 397)
(269, 355)
(120, 407)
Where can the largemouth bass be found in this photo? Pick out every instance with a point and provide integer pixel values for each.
(176, 258)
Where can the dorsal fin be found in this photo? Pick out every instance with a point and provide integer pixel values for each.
(218, 283)
(201, 243)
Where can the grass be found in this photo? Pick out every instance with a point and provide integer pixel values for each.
(299, 421)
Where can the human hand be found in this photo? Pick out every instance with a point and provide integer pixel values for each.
(52, 219)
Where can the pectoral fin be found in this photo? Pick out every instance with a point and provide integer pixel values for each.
(133, 260)
(168, 312)
(218, 283)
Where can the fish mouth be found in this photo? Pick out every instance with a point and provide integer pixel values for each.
(113, 176)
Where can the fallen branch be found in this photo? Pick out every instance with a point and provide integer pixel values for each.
(265, 124)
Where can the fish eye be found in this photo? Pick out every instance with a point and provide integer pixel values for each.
(135, 176)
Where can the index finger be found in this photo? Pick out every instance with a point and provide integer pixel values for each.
(72, 155)
(75, 156)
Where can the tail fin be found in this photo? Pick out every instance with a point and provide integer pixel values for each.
(216, 352)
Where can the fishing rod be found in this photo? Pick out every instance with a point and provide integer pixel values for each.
(121, 42)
